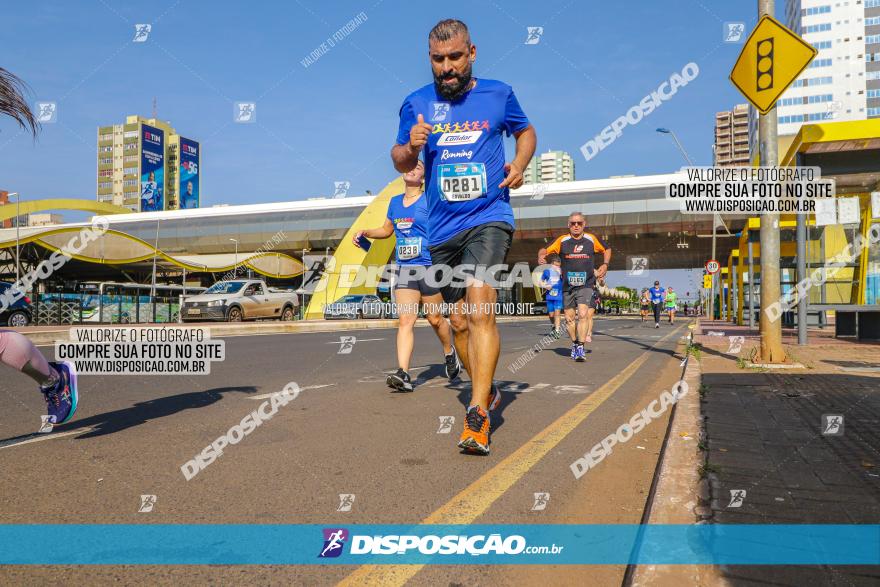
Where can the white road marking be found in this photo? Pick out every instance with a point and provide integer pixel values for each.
(411, 369)
(358, 340)
(42, 437)
(268, 395)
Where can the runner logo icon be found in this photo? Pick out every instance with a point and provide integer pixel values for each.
(346, 500)
(737, 496)
(541, 500)
(440, 111)
(446, 424)
(334, 541)
(832, 424)
(147, 503)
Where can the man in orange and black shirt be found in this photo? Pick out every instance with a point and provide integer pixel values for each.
(578, 250)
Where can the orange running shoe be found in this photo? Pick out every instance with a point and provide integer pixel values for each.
(475, 437)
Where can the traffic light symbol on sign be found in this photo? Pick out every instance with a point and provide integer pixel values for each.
(764, 56)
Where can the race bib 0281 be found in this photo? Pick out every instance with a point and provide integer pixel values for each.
(462, 182)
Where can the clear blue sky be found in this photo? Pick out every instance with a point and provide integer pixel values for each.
(337, 119)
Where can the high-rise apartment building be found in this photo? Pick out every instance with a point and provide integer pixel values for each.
(843, 81)
(549, 167)
(144, 165)
(732, 137)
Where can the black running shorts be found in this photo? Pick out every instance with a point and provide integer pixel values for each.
(414, 277)
(577, 296)
(481, 246)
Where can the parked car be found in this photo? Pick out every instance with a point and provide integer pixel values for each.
(241, 299)
(19, 313)
(355, 306)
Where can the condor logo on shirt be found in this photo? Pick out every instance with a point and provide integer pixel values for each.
(460, 138)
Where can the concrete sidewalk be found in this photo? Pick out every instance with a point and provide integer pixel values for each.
(774, 455)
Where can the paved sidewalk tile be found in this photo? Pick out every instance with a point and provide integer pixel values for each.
(773, 435)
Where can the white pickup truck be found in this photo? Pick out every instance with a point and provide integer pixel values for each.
(240, 299)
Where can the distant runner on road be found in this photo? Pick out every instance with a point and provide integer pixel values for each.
(657, 295)
(578, 249)
(459, 122)
(551, 281)
(645, 304)
(671, 303)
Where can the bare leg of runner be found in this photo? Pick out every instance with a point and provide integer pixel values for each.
(589, 321)
(20, 353)
(407, 311)
(461, 337)
(476, 335)
(571, 324)
(437, 321)
(582, 322)
(57, 381)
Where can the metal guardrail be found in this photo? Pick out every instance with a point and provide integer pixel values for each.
(84, 308)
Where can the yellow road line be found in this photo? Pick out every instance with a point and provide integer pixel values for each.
(477, 497)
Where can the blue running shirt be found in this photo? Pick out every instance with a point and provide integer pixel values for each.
(464, 156)
(410, 223)
(656, 294)
(552, 277)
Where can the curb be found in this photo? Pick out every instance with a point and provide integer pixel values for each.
(680, 495)
(221, 329)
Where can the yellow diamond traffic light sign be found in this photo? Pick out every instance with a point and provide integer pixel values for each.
(771, 59)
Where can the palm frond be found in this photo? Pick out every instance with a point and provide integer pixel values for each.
(13, 102)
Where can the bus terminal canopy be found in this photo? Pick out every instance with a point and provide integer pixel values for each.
(119, 248)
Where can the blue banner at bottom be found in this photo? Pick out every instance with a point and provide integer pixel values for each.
(258, 544)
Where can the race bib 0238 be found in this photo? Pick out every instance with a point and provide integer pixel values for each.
(409, 248)
(462, 182)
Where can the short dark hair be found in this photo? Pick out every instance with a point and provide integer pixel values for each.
(448, 29)
(553, 257)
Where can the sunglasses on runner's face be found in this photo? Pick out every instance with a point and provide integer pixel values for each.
(575, 223)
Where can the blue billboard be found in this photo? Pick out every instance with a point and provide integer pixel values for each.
(189, 173)
(152, 169)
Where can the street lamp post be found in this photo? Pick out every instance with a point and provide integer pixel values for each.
(235, 267)
(666, 131)
(714, 221)
(771, 330)
(302, 301)
(153, 283)
(326, 255)
(17, 223)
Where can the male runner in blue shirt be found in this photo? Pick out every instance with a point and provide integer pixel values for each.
(657, 295)
(459, 122)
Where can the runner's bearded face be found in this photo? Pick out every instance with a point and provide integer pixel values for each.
(451, 66)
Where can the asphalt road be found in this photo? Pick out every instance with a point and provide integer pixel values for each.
(344, 434)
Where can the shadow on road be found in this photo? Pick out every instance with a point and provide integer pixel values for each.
(509, 393)
(142, 412)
